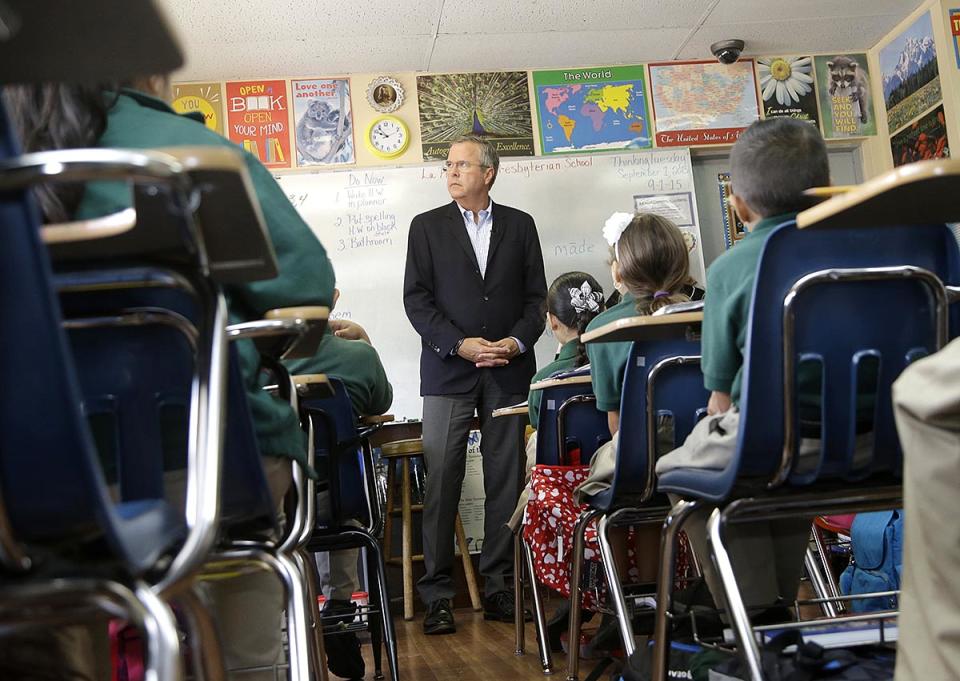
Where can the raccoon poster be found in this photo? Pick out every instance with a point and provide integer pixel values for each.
(843, 87)
(323, 122)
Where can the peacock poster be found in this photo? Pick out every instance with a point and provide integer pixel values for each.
(494, 105)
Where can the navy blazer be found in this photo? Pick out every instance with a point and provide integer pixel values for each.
(446, 299)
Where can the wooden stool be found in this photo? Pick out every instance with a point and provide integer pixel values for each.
(405, 450)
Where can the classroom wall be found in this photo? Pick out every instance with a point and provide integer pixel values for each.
(877, 155)
(364, 115)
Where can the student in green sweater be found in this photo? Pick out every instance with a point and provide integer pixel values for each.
(651, 269)
(771, 165)
(137, 117)
(573, 300)
(345, 353)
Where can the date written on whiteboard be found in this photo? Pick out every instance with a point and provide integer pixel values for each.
(665, 185)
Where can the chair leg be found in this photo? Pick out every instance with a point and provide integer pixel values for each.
(518, 623)
(576, 592)
(388, 509)
(614, 587)
(375, 621)
(672, 525)
(817, 581)
(833, 589)
(389, 634)
(162, 642)
(407, 540)
(202, 634)
(746, 642)
(318, 656)
(546, 656)
(469, 574)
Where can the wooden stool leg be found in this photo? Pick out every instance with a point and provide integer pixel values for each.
(388, 513)
(407, 541)
(468, 573)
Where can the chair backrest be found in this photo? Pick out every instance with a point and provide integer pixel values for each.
(859, 323)
(663, 398)
(339, 452)
(568, 420)
(135, 334)
(52, 487)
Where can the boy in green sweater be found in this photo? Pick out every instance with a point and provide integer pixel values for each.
(771, 165)
(345, 353)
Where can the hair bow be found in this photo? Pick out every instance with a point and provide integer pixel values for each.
(585, 298)
(615, 225)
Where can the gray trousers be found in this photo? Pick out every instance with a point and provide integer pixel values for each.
(446, 427)
(927, 409)
(767, 557)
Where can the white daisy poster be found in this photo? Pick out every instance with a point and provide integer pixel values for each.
(787, 88)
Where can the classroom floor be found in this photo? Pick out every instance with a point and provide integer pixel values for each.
(479, 651)
(484, 651)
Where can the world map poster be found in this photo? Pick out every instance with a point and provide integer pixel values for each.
(592, 109)
(702, 102)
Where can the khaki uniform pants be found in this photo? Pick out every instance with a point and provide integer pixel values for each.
(927, 410)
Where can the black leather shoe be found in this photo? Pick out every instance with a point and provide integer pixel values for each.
(439, 618)
(499, 608)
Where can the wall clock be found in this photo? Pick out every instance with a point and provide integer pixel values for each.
(387, 137)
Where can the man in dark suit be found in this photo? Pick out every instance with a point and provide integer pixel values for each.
(474, 290)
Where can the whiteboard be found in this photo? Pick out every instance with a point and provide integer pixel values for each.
(362, 217)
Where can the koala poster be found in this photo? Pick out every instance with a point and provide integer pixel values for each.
(323, 121)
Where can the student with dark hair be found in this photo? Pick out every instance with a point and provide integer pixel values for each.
(345, 353)
(771, 166)
(51, 117)
(650, 267)
(573, 300)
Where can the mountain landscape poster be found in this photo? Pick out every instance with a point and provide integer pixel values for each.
(911, 79)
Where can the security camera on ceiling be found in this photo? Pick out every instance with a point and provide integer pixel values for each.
(727, 51)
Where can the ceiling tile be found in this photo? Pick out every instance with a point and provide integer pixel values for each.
(496, 16)
(253, 20)
(253, 38)
(324, 55)
(797, 36)
(553, 50)
(734, 11)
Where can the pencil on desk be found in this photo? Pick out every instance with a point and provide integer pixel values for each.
(830, 191)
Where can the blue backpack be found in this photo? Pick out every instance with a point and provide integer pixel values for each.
(877, 562)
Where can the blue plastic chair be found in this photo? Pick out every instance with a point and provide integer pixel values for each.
(662, 384)
(853, 301)
(53, 492)
(567, 414)
(344, 458)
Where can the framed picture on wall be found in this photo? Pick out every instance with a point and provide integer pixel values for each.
(733, 229)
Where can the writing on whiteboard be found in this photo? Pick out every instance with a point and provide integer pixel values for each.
(581, 247)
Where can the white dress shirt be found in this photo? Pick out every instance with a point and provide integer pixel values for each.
(479, 228)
